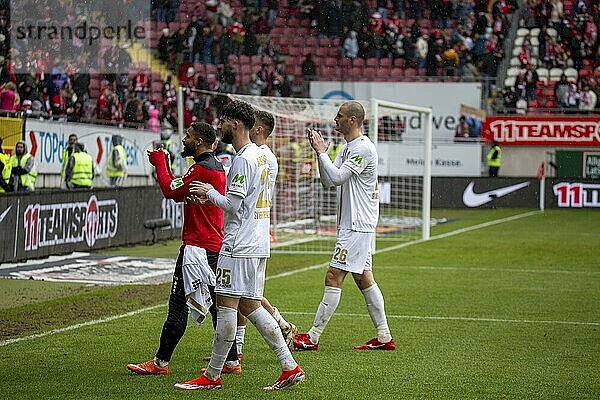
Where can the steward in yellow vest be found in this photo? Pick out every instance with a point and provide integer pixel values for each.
(116, 166)
(24, 169)
(80, 169)
(5, 171)
(493, 160)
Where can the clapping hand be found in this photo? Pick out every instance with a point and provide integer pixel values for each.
(316, 141)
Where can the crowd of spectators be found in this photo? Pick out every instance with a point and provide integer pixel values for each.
(204, 49)
(558, 59)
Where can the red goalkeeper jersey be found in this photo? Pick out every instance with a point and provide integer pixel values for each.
(202, 225)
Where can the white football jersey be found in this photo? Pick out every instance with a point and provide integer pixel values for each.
(358, 197)
(273, 167)
(246, 234)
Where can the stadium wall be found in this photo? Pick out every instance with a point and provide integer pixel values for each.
(53, 222)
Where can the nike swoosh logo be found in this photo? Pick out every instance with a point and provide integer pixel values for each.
(472, 199)
(3, 215)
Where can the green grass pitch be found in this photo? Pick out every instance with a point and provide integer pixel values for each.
(505, 311)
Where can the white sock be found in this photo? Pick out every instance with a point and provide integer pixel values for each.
(375, 305)
(222, 341)
(160, 363)
(270, 331)
(283, 324)
(331, 299)
(240, 333)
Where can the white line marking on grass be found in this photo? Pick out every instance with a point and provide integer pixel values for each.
(461, 230)
(297, 271)
(76, 326)
(470, 269)
(472, 319)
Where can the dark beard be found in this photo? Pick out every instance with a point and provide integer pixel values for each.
(187, 152)
(227, 137)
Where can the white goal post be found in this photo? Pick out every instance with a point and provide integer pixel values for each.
(303, 216)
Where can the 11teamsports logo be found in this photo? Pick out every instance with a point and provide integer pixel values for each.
(55, 224)
(577, 194)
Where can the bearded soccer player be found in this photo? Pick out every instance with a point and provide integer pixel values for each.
(202, 238)
(354, 173)
(260, 132)
(243, 257)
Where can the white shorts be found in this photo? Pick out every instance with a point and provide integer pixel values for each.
(241, 277)
(352, 251)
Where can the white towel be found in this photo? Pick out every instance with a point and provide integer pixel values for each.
(197, 276)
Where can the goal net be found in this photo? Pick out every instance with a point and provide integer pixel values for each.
(303, 214)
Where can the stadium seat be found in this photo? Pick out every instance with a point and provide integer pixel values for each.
(514, 62)
(519, 41)
(333, 51)
(513, 71)
(555, 74)
(522, 32)
(510, 81)
(399, 62)
(330, 61)
(358, 62)
(542, 72)
(311, 41)
(372, 62)
(321, 52)
(571, 73)
(552, 32)
(324, 42)
(410, 72)
(534, 32)
(370, 71)
(385, 63)
(397, 72)
(516, 51)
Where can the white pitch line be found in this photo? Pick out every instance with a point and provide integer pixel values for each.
(281, 275)
(471, 319)
(77, 326)
(479, 269)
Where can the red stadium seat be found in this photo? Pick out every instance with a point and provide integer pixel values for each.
(370, 72)
(321, 52)
(397, 72)
(410, 72)
(385, 62)
(358, 62)
(372, 62)
(330, 61)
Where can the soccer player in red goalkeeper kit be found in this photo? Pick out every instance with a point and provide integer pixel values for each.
(202, 238)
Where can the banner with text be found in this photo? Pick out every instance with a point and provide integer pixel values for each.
(543, 131)
(443, 98)
(46, 141)
(39, 224)
(401, 159)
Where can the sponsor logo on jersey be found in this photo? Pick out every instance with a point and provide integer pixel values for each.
(357, 159)
(176, 183)
(238, 179)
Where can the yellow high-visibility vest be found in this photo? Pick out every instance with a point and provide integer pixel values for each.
(27, 180)
(83, 171)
